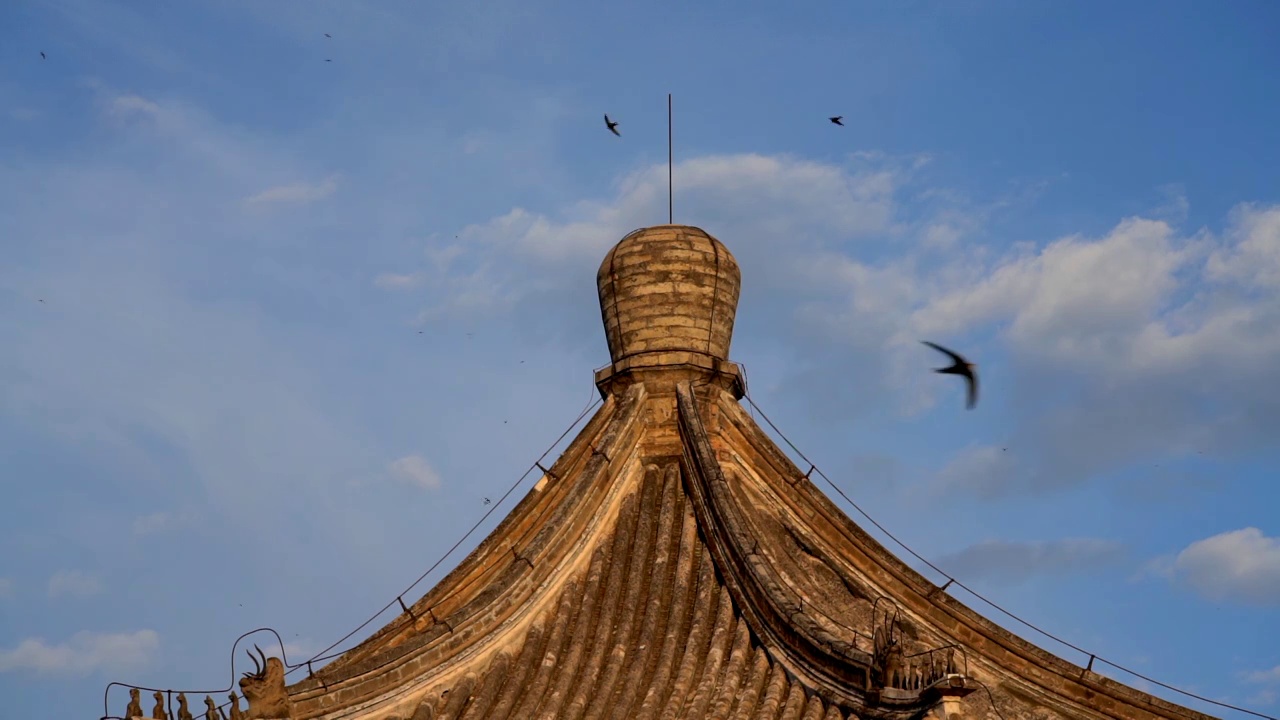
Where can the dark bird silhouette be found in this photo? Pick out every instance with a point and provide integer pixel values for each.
(961, 367)
(40, 299)
(327, 60)
(613, 126)
(486, 501)
(42, 57)
(837, 120)
(328, 36)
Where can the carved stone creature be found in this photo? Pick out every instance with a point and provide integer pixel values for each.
(184, 712)
(888, 656)
(158, 712)
(134, 710)
(211, 711)
(264, 689)
(235, 706)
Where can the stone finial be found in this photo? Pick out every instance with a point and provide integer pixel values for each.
(184, 712)
(668, 298)
(134, 709)
(158, 712)
(211, 711)
(236, 713)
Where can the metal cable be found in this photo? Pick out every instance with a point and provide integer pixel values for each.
(952, 581)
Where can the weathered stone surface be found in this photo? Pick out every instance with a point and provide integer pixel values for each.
(661, 282)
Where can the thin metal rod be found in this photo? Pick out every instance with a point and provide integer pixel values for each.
(670, 203)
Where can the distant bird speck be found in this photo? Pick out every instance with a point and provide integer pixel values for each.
(486, 501)
(837, 120)
(328, 35)
(327, 60)
(960, 367)
(42, 57)
(613, 126)
(40, 299)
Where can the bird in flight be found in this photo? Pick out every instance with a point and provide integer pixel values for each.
(327, 60)
(42, 57)
(960, 367)
(486, 501)
(328, 36)
(613, 126)
(837, 120)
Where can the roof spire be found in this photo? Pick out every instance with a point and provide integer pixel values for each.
(668, 298)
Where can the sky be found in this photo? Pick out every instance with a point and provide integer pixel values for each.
(279, 311)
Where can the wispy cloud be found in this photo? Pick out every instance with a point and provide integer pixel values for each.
(1240, 566)
(74, 583)
(83, 653)
(1011, 562)
(300, 193)
(24, 114)
(162, 521)
(416, 470)
(125, 105)
(1268, 692)
(393, 281)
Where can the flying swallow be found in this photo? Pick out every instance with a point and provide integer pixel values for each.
(837, 120)
(960, 367)
(613, 126)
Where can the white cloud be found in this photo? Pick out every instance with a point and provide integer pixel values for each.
(397, 282)
(83, 653)
(1252, 254)
(1011, 562)
(161, 522)
(416, 470)
(1240, 565)
(125, 105)
(24, 114)
(746, 197)
(74, 583)
(985, 470)
(1266, 677)
(1269, 682)
(297, 650)
(1159, 352)
(153, 523)
(1143, 340)
(299, 193)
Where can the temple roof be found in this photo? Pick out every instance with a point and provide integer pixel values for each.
(674, 563)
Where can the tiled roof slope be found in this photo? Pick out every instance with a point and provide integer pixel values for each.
(675, 564)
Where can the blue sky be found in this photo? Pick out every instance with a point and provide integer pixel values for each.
(223, 414)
